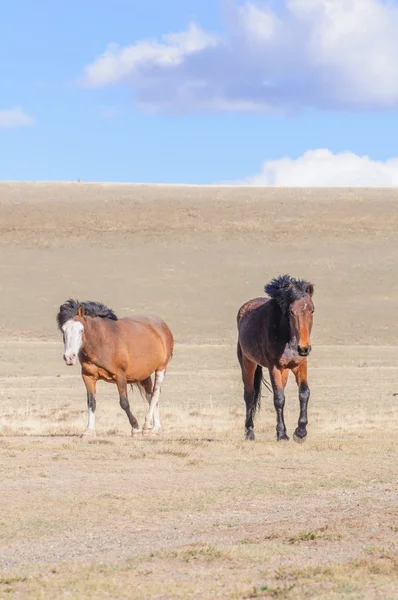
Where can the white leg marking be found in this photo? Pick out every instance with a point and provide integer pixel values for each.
(149, 399)
(91, 419)
(153, 406)
(156, 419)
(90, 431)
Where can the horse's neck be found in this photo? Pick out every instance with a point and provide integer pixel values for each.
(285, 334)
(92, 335)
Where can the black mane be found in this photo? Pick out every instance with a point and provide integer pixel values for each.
(69, 309)
(285, 290)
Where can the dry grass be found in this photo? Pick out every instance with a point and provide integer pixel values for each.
(198, 512)
(210, 572)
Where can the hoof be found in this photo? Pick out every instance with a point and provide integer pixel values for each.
(250, 434)
(283, 438)
(136, 433)
(298, 439)
(89, 434)
(150, 432)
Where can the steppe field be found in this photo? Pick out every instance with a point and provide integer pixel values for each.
(198, 512)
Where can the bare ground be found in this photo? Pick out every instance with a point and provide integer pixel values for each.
(198, 512)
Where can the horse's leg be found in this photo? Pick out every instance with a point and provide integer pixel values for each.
(304, 395)
(157, 427)
(148, 387)
(91, 385)
(153, 405)
(278, 381)
(125, 405)
(248, 370)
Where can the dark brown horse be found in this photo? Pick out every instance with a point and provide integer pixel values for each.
(275, 333)
(122, 351)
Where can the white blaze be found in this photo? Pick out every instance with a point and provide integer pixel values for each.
(73, 331)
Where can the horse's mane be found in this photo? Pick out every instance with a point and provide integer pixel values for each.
(285, 290)
(69, 309)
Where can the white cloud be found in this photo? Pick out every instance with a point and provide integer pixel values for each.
(116, 64)
(324, 53)
(258, 24)
(15, 117)
(323, 168)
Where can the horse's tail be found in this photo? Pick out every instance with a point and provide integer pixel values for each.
(239, 353)
(259, 379)
(139, 387)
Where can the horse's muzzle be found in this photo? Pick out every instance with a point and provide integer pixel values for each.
(70, 360)
(304, 350)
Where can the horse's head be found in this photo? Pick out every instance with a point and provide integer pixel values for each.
(300, 317)
(73, 332)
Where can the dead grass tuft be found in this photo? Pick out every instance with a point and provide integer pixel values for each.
(319, 534)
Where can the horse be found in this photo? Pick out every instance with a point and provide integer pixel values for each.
(122, 351)
(274, 333)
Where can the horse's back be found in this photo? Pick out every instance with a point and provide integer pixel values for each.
(248, 307)
(148, 324)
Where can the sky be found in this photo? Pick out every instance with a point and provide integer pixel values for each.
(277, 92)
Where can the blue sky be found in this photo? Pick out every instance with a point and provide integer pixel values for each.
(280, 92)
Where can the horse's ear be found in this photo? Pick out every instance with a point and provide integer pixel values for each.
(309, 289)
(80, 312)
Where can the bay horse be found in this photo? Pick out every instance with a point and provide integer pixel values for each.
(122, 351)
(274, 333)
